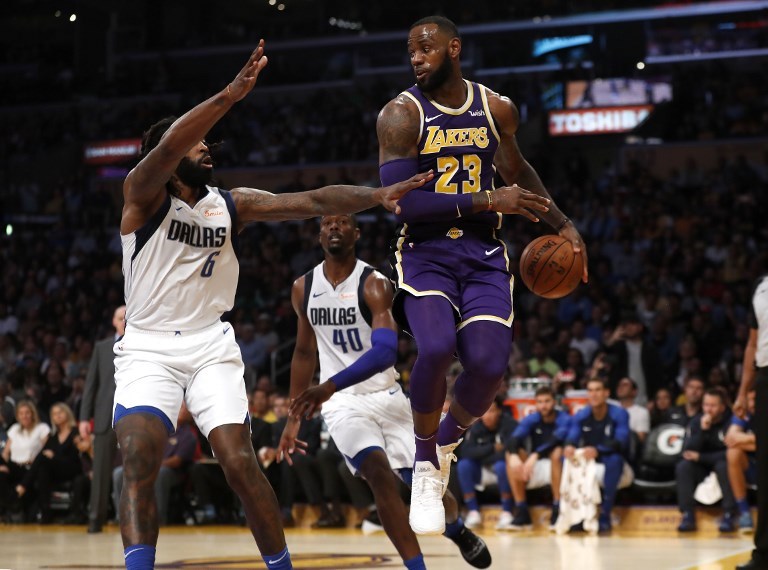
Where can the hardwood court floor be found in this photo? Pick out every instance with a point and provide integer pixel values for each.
(32, 547)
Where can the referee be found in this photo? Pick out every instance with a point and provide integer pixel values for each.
(755, 372)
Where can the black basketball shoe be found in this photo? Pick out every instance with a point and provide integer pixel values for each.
(472, 548)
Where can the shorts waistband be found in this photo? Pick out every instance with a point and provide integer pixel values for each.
(172, 332)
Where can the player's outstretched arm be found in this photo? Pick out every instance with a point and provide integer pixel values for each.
(259, 205)
(514, 169)
(144, 187)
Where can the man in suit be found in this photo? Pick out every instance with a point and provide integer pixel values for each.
(97, 403)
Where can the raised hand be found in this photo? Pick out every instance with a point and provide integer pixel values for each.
(309, 401)
(245, 80)
(389, 195)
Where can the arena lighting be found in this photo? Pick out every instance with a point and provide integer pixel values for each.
(57, 13)
(281, 7)
(272, 2)
(73, 17)
(345, 24)
(9, 230)
(640, 65)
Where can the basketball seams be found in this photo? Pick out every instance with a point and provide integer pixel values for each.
(543, 266)
(534, 249)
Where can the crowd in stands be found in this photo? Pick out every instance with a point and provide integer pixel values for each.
(662, 322)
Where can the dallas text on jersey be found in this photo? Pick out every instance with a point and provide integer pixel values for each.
(320, 316)
(197, 236)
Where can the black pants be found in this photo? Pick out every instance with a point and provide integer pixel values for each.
(760, 553)
(104, 450)
(690, 473)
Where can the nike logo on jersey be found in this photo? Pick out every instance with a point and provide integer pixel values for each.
(317, 294)
(179, 208)
(225, 330)
(430, 119)
(490, 252)
(394, 390)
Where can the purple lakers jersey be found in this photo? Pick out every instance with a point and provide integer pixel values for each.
(459, 145)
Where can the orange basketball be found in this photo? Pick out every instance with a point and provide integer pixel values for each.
(549, 267)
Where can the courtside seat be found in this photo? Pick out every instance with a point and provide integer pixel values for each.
(661, 452)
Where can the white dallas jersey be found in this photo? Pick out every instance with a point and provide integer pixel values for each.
(342, 324)
(180, 267)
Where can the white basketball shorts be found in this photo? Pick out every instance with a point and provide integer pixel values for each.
(154, 371)
(379, 419)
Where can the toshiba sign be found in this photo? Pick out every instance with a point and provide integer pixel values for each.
(597, 120)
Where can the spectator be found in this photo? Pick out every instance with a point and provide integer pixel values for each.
(179, 454)
(602, 429)
(639, 417)
(98, 396)
(253, 348)
(258, 406)
(265, 332)
(534, 456)
(693, 392)
(579, 340)
(659, 409)
(7, 406)
(58, 462)
(482, 463)
(541, 360)
(703, 453)
(635, 358)
(26, 439)
(742, 463)
(54, 390)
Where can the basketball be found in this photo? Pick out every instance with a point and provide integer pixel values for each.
(549, 267)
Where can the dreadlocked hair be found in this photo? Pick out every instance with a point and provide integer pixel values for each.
(151, 137)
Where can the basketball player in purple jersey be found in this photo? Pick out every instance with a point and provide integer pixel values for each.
(454, 283)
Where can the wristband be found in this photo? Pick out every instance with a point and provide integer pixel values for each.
(562, 224)
(490, 200)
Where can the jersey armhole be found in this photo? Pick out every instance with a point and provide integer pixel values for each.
(232, 209)
(365, 311)
(150, 227)
(308, 278)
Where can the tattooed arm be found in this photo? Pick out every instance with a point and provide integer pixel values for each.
(398, 128)
(258, 205)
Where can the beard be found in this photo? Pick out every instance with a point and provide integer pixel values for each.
(439, 77)
(192, 174)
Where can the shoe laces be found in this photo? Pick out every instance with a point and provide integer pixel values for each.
(426, 486)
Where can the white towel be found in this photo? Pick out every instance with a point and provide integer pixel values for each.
(579, 494)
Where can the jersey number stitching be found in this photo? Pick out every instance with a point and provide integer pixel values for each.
(449, 165)
(207, 270)
(353, 339)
